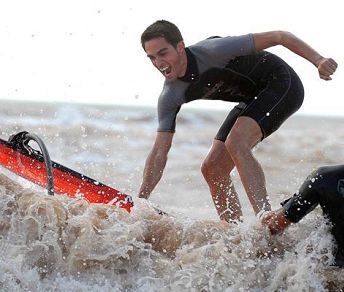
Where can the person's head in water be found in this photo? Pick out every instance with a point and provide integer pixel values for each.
(164, 45)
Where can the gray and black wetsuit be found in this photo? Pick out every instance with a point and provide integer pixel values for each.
(230, 69)
(324, 187)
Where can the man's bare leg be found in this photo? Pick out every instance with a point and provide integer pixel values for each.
(244, 135)
(216, 170)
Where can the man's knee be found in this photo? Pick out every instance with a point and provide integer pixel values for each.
(244, 135)
(208, 168)
(237, 145)
(215, 175)
(213, 169)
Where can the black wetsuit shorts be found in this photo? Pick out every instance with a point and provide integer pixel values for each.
(280, 97)
(324, 186)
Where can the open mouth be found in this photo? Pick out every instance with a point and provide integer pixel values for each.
(165, 70)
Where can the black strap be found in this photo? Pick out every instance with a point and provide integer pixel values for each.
(20, 141)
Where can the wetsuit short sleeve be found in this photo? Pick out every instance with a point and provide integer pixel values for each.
(167, 113)
(236, 45)
(167, 119)
(225, 48)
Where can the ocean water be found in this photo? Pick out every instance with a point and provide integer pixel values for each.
(59, 244)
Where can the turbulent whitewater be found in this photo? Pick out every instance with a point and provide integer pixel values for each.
(60, 244)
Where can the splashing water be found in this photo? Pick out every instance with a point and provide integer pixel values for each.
(59, 244)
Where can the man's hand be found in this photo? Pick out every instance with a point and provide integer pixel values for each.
(326, 67)
(275, 221)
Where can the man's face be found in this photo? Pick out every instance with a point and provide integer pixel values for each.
(170, 61)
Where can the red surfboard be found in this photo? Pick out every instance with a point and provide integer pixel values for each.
(31, 166)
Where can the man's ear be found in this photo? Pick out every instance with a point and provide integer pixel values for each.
(180, 46)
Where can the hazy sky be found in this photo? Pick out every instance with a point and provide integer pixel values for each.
(89, 51)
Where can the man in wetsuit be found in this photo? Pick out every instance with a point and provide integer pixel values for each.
(234, 69)
(324, 187)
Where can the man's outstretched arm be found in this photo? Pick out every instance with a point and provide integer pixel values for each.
(264, 40)
(155, 163)
(297, 206)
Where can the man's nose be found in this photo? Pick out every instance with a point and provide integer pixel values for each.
(158, 62)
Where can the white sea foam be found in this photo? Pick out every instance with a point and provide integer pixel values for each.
(58, 244)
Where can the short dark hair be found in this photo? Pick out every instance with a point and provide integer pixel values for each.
(162, 28)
